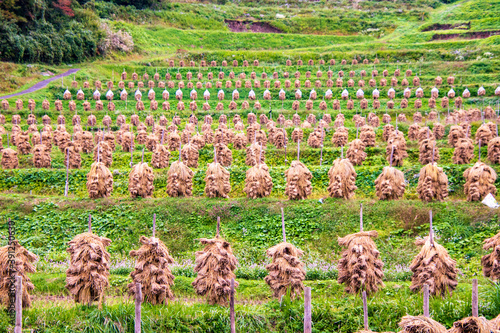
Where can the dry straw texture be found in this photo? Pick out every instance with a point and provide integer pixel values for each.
(342, 179)
(140, 181)
(480, 181)
(432, 183)
(494, 150)
(24, 264)
(87, 275)
(298, 181)
(434, 267)
(99, 181)
(9, 159)
(491, 261)
(286, 271)
(356, 153)
(472, 325)
(420, 324)
(258, 182)
(160, 157)
(360, 267)
(390, 184)
(105, 153)
(464, 151)
(41, 156)
(217, 183)
(152, 271)
(215, 266)
(180, 180)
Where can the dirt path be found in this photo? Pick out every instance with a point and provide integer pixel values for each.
(42, 84)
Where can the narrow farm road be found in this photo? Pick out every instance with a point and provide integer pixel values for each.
(42, 84)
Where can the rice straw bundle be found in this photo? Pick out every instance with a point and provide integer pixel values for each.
(72, 155)
(180, 180)
(298, 181)
(297, 135)
(104, 152)
(434, 267)
(342, 179)
(432, 183)
(41, 156)
(491, 261)
(456, 133)
(88, 272)
(413, 131)
(23, 143)
(420, 324)
(173, 141)
(215, 266)
(360, 267)
(396, 139)
(240, 141)
(9, 159)
(224, 154)
(463, 152)
(480, 181)
(152, 271)
(472, 325)
(428, 151)
(390, 184)
(258, 181)
(217, 183)
(190, 155)
(484, 134)
(23, 264)
(140, 181)
(340, 137)
(438, 131)
(388, 130)
(316, 138)
(367, 136)
(356, 153)
(494, 150)
(286, 271)
(86, 142)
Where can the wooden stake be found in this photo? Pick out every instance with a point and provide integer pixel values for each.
(392, 154)
(321, 155)
(426, 300)
(218, 227)
(475, 300)
(131, 149)
(361, 217)
(283, 224)
(138, 301)
(154, 224)
(90, 223)
(66, 186)
(298, 150)
(231, 308)
(365, 311)
(19, 305)
(307, 310)
(431, 236)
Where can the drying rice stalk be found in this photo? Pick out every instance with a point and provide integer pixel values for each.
(180, 180)
(298, 181)
(224, 155)
(215, 266)
(367, 135)
(390, 184)
(104, 152)
(72, 155)
(9, 159)
(356, 153)
(41, 156)
(472, 325)
(342, 179)
(396, 139)
(99, 181)
(340, 137)
(428, 151)
(253, 154)
(480, 181)
(491, 261)
(87, 275)
(23, 264)
(160, 157)
(152, 271)
(286, 271)
(494, 150)
(432, 183)
(191, 155)
(464, 151)
(434, 267)
(420, 324)
(360, 267)
(140, 181)
(217, 183)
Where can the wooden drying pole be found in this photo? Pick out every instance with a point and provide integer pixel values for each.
(475, 299)
(321, 154)
(307, 310)
(283, 224)
(66, 186)
(231, 308)
(365, 311)
(431, 236)
(19, 305)
(426, 300)
(138, 302)
(361, 217)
